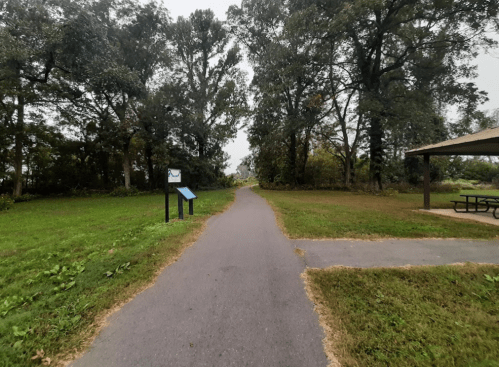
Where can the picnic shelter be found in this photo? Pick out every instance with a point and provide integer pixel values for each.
(485, 142)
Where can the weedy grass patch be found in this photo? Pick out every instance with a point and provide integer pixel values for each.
(65, 262)
(338, 214)
(420, 316)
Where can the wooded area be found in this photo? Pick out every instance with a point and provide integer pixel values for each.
(101, 94)
(107, 93)
(360, 81)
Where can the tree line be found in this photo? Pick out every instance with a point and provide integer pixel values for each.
(362, 80)
(106, 93)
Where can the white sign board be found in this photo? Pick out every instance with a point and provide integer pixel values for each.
(174, 175)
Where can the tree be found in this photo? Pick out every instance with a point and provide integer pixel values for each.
(207, 85)
(391, 40)
(137, 49)
(283, 49)
(37, 39)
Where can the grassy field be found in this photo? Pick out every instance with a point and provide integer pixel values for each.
(421, 316)
(65, 262)
(338, 214)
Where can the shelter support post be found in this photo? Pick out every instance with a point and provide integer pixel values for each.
(426, 182)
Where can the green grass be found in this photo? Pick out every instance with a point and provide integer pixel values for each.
(338, 214)
(421, 316)
(64, 262)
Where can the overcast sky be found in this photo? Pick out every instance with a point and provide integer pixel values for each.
(488, 69)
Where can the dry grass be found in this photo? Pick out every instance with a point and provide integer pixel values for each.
(300, 252)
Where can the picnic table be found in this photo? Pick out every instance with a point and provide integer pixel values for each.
(487, 201)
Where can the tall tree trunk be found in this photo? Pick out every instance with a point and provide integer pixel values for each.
(292, 159)
(104, 161)
(126, 163)
(376, 152)
(18, 149)
(200, 148)
(306, 147)
(150, 166)
(347, 163)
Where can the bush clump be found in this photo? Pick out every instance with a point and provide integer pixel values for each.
(5, 202)
(25, 197)
(124, 192)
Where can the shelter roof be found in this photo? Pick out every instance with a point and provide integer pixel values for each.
(485, 142)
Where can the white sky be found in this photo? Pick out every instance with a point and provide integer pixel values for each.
(488, 69)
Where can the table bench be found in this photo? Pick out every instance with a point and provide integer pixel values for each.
(487, 201)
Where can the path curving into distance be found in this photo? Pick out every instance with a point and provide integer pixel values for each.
(235, 298)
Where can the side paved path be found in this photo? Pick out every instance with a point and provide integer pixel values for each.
(397, 252)
(235, 298)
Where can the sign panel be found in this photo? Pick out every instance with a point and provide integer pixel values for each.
(186, 193)
(174, 175)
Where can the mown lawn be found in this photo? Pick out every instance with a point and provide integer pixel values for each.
(337, 214)
(420, 316)
(64, 262)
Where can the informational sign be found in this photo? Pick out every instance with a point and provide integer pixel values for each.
(174, 175)
(186, 193)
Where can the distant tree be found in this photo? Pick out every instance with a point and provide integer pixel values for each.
(283, 49)
(207, 87)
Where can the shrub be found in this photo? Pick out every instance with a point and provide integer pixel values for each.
(123, 192)
(226, 181)
(25, 197)
(5, 202)
(79, 193)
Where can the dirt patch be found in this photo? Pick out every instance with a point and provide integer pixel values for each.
(299, 252)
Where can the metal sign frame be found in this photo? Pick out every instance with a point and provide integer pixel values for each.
(181, 197)
(174, 176)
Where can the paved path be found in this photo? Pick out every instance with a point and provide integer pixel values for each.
(396, 252)
(235, 298)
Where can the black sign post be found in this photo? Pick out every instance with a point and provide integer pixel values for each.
(167, 198)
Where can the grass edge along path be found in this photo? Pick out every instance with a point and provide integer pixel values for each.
(326, 215)
(408, 316)
(57, 334)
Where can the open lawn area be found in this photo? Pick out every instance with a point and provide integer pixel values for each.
(65, 262)
(338, 214)
(419, 316)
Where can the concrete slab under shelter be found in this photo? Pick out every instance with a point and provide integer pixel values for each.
(482, 217)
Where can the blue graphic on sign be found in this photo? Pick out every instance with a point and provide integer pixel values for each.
(170, 174)
(186, 193)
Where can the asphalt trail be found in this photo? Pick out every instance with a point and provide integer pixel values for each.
(235, 298)
(397, 252)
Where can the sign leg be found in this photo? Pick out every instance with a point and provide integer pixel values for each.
(180, 207)
(191, 207)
